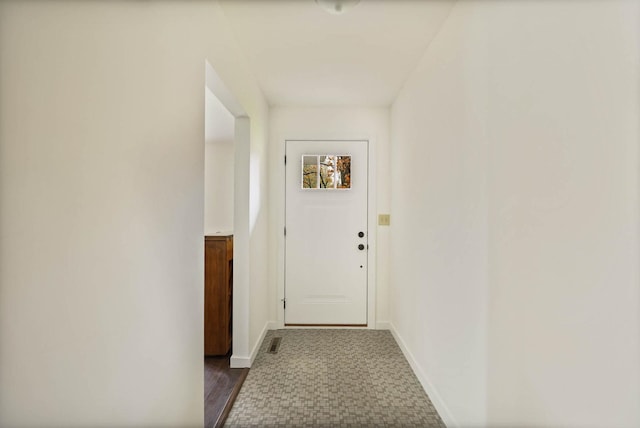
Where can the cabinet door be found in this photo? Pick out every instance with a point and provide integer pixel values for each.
(217, 297)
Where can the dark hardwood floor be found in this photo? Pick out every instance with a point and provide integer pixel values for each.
(221, 386)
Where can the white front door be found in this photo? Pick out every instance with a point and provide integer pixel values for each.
(326, 233)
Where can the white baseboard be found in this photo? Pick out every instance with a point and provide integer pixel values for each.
(431, 391)
(383, 325)
(246, 362)
(269, 325)
(239, 362)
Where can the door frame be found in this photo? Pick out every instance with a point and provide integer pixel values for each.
(371, 222)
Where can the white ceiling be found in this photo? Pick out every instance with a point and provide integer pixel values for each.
(303, 56)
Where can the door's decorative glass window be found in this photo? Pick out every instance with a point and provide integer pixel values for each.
(326, 172)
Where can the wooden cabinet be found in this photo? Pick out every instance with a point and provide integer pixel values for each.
(218, 298)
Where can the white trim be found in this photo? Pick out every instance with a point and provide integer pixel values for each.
(245, 362)
(372, 216)
(372, 230)
(383, 325)
(269, 325)
(241, 237)
(431, 391)
(239, 362)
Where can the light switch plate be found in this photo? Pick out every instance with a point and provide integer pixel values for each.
(384, 219)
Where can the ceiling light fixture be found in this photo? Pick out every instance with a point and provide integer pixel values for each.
(337, 7)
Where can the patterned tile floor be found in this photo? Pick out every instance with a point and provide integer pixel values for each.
(332, 378)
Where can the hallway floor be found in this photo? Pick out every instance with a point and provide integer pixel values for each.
(332, 378)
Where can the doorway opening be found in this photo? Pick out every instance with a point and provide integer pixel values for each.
(226, 247)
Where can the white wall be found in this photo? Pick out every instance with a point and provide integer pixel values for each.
(219, 130)
(515, 261)
(563, 197)
(439, 221)
(101, 192)
(331, 123)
